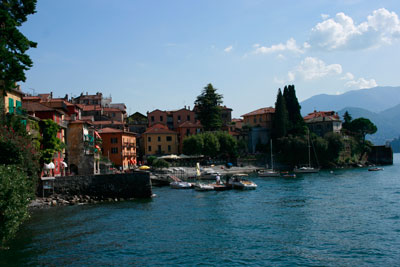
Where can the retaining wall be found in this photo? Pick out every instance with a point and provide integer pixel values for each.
(127, 185)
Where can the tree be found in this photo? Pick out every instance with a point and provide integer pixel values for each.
(209, 108)
(193, 145)
(160, 163)
(347, 120)
(296, 123)
(14, 45)
(228, 145)
(362, 127)
(211, 144)
(280, 122)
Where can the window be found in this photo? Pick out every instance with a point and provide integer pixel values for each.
(159, 138)
(169, 148)
(188, 117)
(152, 118)
(259, 119)
(255, 120)
(114, 140)
(149, 139)
(159, 148)
(114, 150)
(169, 138)
(187, 132)
(113, 114)
(149, 149)
(11, 105)
(179, 117)
(18, 107)
(161, 118)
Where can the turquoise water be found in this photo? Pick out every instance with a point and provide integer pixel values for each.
(350, 217)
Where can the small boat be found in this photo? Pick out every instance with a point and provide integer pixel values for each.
(180, 185)
(375, 169)
(221, 187)
(268, 173)
(306, 169)
(203, 187)
(238, 182)
(209, 174)
(289, 175)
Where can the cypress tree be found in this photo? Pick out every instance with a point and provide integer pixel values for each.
(296, 122)
(280, 121)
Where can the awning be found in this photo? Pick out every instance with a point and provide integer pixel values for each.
(64, 164)
(49, 166)
(97, 135)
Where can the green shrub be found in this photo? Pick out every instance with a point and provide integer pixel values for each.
(16, 191)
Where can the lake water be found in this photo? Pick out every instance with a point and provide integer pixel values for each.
(348, 218)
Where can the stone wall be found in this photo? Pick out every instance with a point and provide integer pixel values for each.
(127, 185)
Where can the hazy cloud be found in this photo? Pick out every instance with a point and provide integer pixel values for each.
(228, 49)
(341, 32)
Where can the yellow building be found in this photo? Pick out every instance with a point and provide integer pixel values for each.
(12, 100)
(159, 140)
(259, 118)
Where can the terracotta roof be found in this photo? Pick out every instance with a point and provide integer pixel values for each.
(31, 98)
(113, 130)
(159, 129)
(260, 111)
(237, 120)
(109, 130)
(106, 122)
(112, 109)
(87, 118)
(332, 115)
(34, 106)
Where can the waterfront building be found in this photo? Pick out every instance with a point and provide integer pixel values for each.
(119, 147)
(43, 112)
(171, 118)
(322, 122)
(257, 127)
(159, 140)
(83, 148)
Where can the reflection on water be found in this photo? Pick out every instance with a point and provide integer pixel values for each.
(350, 217)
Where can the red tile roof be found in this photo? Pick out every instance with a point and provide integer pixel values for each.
(91, 107)
(34, 107)
(260, 111)
(107, 122)
(159, 129)
(322, 114)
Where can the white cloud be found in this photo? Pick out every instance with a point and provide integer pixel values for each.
(361, 83)
(228, 49)
(341, 32)
(290, 45)
(348, 76)
(312, 68)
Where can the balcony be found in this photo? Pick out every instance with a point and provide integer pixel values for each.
(129, 154)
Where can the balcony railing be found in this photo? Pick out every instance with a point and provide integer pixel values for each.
(128, 154)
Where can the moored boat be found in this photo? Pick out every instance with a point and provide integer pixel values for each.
(180, 185)
(374, 169)
(268, 173)
(238, 182)
(203, 187)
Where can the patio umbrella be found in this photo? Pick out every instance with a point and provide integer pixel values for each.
(144, 167)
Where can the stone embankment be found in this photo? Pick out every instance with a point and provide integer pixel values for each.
(64, 200)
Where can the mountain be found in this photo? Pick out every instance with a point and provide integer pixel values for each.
(375, 99)
(387, 122)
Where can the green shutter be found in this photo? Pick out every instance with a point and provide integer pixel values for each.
(11, 105)
(18, 107)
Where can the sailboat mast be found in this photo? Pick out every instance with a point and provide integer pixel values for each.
(272, 160)
(309, 150)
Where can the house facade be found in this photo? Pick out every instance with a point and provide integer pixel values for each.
(119, 147)
(159, 140)
(322, 122)
(12, 100)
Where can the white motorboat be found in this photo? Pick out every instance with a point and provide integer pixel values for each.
(203, 187)
(180, 185)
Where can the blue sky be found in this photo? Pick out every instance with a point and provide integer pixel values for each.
(160, 54)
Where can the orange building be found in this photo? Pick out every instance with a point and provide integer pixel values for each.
(119, 147)
(159, 140)
(259, 118)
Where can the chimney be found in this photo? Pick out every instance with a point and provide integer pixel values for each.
(51, 95)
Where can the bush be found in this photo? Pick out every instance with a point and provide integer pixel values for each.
(160, 163)
(16, 191)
